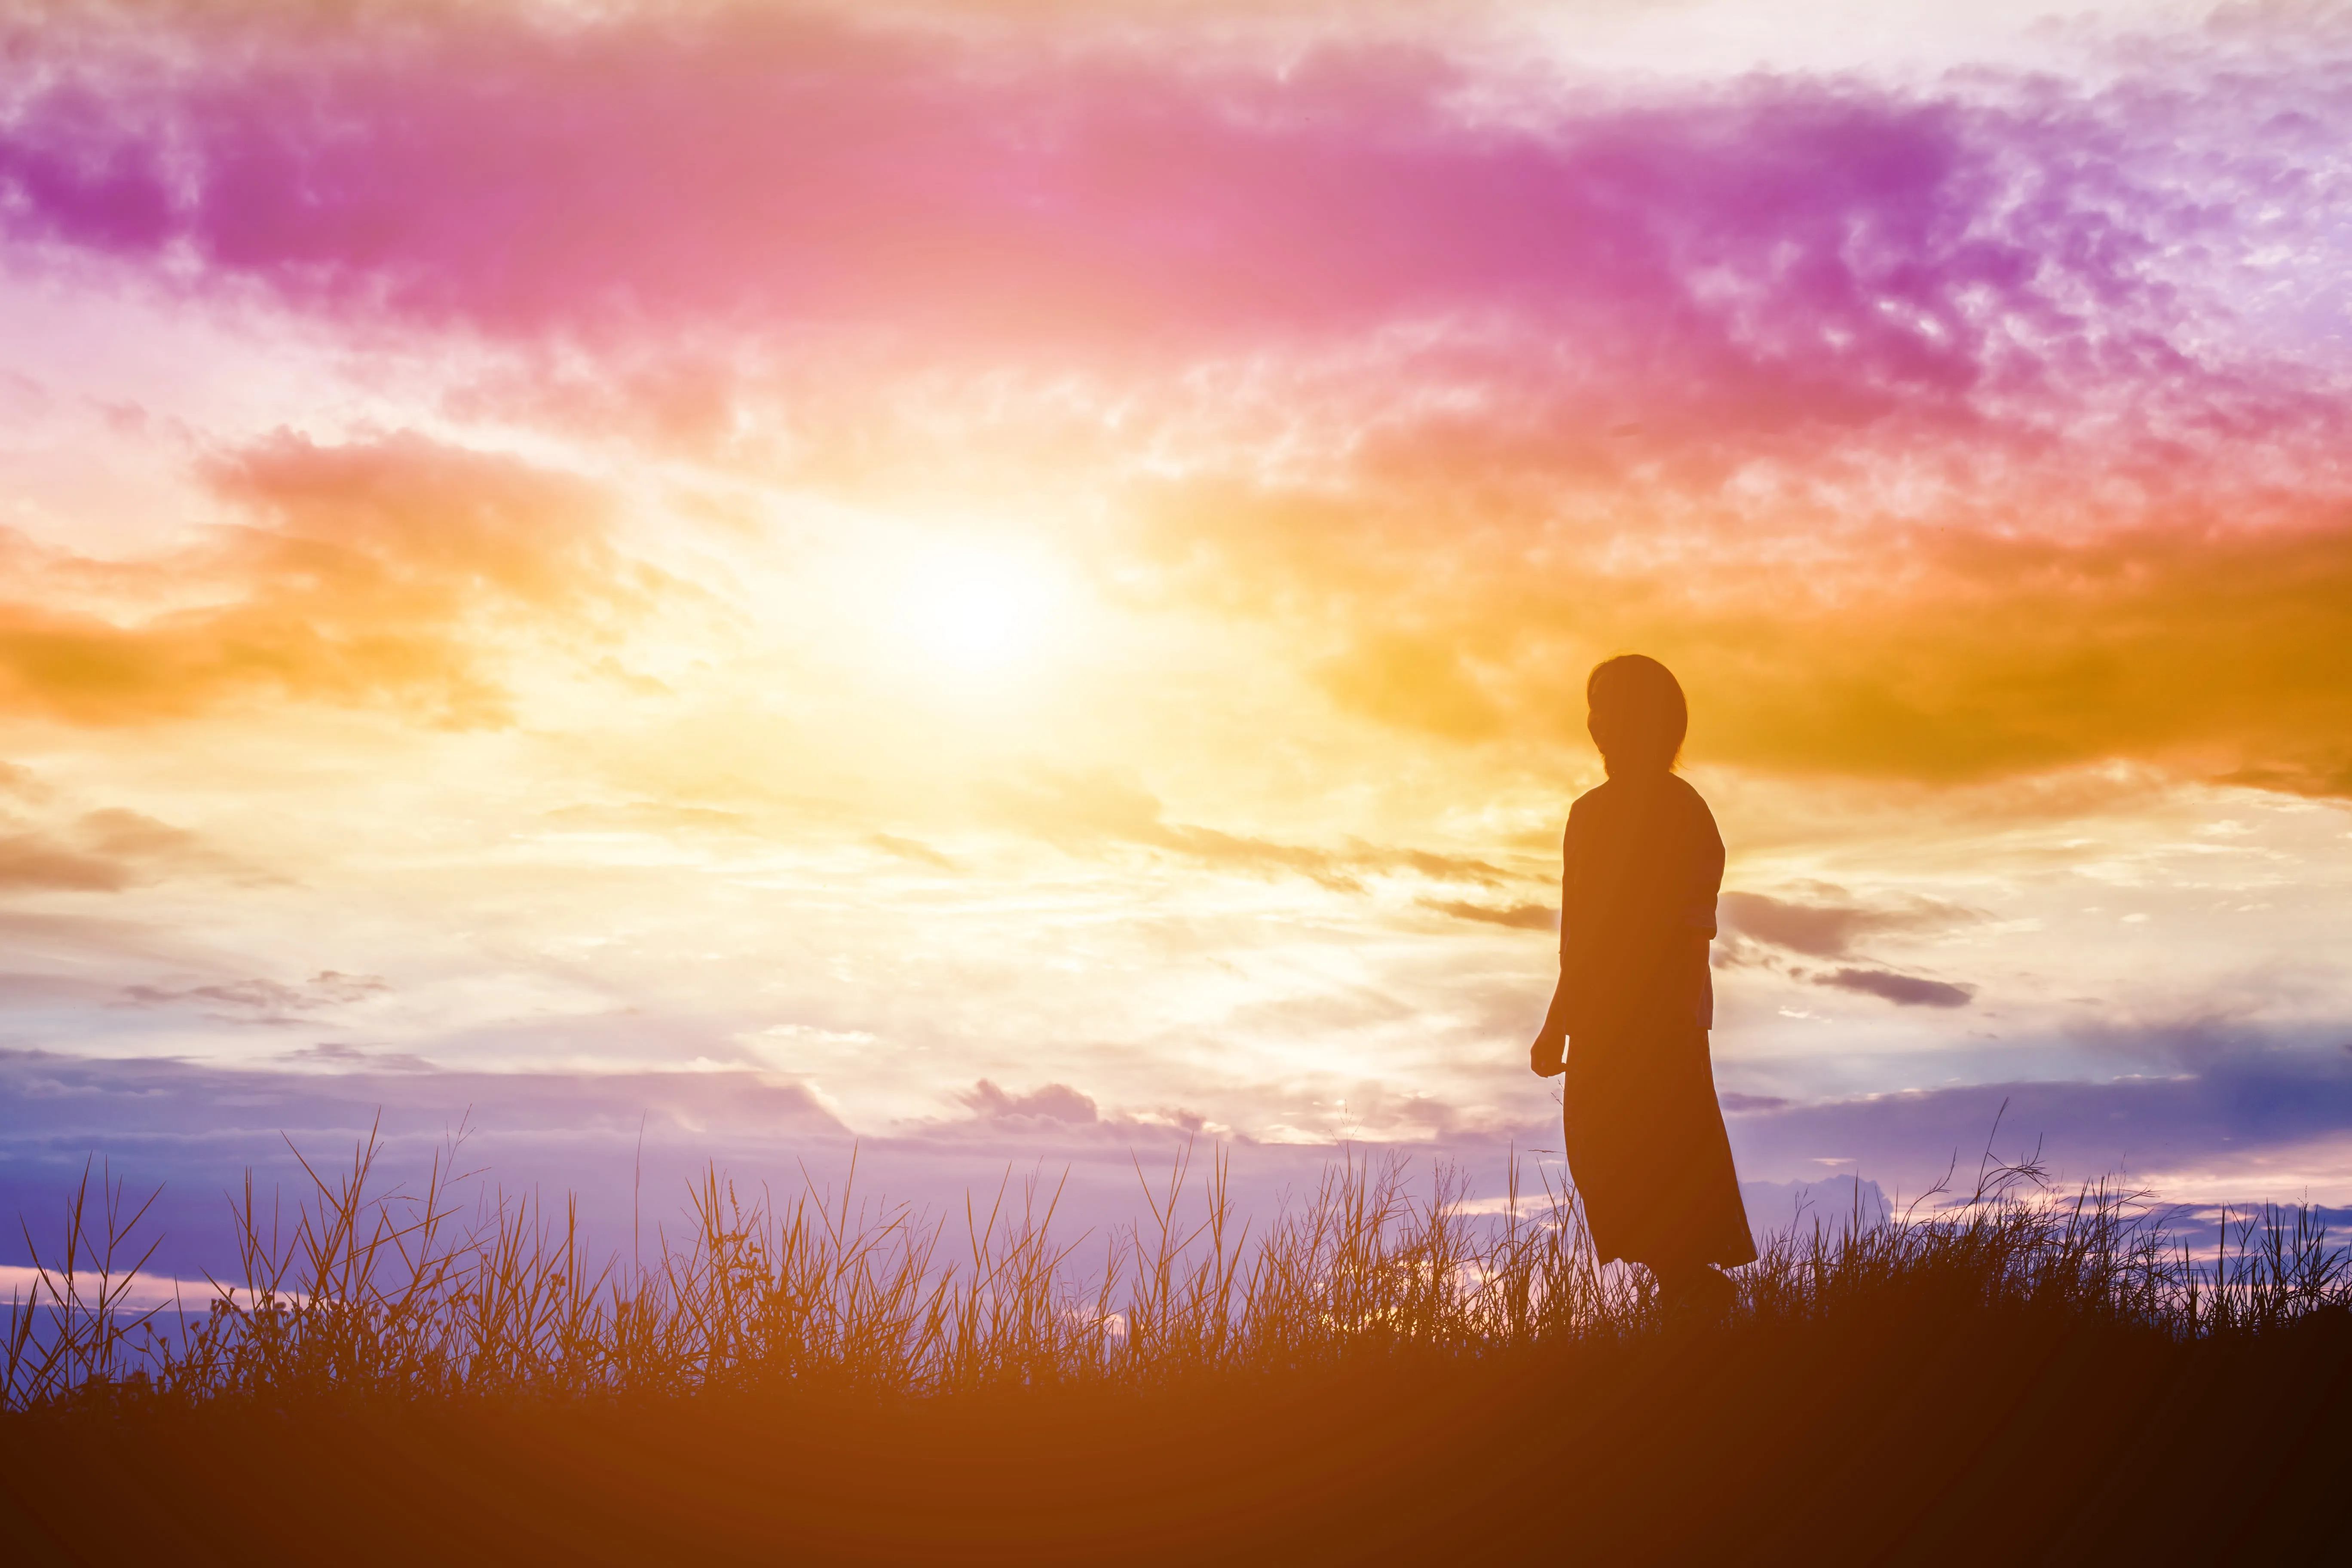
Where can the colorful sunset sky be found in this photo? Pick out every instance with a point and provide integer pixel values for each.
(1010, 584)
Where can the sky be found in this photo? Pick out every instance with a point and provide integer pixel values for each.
(1009, 586)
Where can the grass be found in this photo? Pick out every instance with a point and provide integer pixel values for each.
(1376, 1374)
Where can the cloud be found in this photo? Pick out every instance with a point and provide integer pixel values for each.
(133, 834)
(266, 1002)
(1053, 1102)
(32, 861)
(622, 1141)
(51, 1098)
(1828, 925)
(951, 185)
(1903, 990)
(1773, 254)
(106, 850)
(1086, 810)
(1938, 433)
(2232, 1112)
(2210, 649)
(650, 817)
(1517, 916)
(379, 572)
(912, 850)
(1939, 655)
(1824, 928)
(1413, 683)
(343, 1058)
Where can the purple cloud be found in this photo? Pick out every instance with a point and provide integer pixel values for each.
(1903, 990)
(1770, 257)
(1053, 1102)
(1829, 926)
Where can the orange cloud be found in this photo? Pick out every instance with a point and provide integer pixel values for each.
(2213, 654)
(1415, 682)
(375, 573)
(34, 860)
(102, 851)
(1881, 650)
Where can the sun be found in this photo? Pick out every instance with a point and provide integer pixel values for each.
(972, 612)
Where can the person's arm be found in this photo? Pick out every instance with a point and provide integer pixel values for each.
(1696, 917)
(1549, 1056)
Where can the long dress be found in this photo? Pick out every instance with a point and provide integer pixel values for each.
(1642, 863)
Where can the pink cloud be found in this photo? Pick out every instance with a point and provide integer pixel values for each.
(1769, 255)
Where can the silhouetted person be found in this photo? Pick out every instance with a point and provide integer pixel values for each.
(1640, 865)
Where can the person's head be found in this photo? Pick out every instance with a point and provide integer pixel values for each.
(1638, 716)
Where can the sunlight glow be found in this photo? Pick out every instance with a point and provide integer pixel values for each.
(978, 614)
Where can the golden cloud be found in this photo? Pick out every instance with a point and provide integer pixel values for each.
(381, 573)
(104, 852)
(1911, 651)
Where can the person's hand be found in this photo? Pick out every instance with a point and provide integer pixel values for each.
(1547, 1058)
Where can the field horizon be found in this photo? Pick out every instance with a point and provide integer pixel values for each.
(1378, 1375)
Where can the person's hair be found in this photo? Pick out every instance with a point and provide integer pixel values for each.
(1638, 701)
